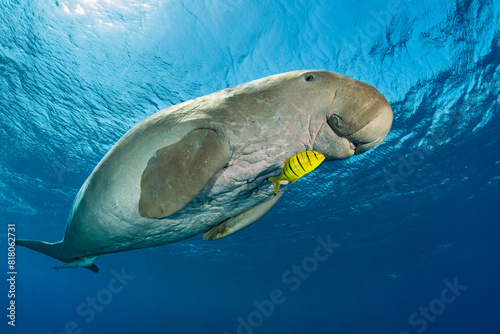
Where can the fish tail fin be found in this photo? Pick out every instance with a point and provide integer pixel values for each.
(92, 268)
(276, 182)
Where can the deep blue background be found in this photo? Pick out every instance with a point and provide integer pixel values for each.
(418, 210)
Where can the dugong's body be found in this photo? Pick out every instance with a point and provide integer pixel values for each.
(202, 165)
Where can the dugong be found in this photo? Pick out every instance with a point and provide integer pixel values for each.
(202, 165)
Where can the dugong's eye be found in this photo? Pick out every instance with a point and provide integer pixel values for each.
(309, 78)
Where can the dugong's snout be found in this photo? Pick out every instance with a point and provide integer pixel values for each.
(366, 126)
(359, 118)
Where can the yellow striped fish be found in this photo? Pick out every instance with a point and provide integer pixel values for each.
(297, 166)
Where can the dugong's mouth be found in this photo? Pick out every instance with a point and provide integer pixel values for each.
(353, 146)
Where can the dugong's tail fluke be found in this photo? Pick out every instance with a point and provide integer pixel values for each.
(47, 248)
(54, 250)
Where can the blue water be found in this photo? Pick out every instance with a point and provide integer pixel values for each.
(414, 221)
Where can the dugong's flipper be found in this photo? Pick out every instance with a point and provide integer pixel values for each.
(177, 173)
(242, 220)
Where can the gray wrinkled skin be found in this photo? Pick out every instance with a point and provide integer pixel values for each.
(263, 123)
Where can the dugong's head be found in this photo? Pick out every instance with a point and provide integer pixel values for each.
(348, 116)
